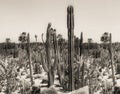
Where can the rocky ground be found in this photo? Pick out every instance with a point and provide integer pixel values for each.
(40, 80)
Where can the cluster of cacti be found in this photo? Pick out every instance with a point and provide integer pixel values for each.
(51, 60)
(75, 67)
(74, 51)
(53, 57)
(65, 65)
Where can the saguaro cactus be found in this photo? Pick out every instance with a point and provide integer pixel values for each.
(70, 26)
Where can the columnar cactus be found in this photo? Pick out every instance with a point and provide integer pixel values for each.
(48, 49)
(81, 42)
(29, 57)
(111, 56)
(70, 26)
(81, 52)
(50, 64)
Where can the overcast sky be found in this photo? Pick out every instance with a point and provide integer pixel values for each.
(92, 17)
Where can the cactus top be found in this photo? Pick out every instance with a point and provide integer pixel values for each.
(70, 9)
(49, 25)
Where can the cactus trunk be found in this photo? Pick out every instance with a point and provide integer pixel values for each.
(55, 51)
(48, 48)
(111, 56)
(49, 53)
(70, 26)
(81, 52)
(81, 42)
(30, 63)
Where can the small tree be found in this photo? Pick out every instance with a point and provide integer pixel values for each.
(105, 39)
(23, 39)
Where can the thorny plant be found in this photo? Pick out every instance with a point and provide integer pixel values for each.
(9, 73)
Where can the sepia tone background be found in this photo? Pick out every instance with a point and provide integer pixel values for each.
(92, 17)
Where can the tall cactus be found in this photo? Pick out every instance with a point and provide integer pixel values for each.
(70, 26)
(81, 52)
(49, 64)
(111, 56)
(81, 43)
(29, 57)
(48, 48)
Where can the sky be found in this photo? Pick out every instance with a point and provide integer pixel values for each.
(92, 17)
